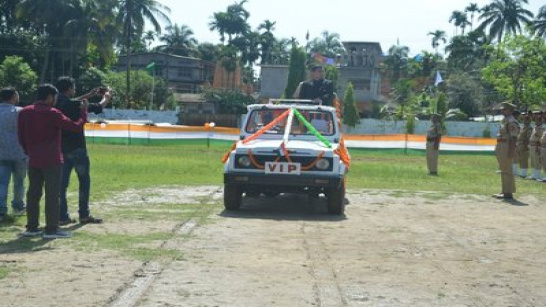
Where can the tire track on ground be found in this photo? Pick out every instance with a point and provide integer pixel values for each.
(326, 286)
(130, 294)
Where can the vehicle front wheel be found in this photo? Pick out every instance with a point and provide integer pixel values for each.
(232, 197)
(336, 199)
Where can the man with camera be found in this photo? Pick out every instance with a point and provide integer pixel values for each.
(75, 150)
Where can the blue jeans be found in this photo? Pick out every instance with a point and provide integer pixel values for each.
(79, 161)
(19, 170)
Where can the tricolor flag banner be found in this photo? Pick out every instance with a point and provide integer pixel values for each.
(438, 78)
(282, 151)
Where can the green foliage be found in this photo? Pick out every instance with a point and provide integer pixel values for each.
(296, 73)
(486, 132)
(331, 73)
(465, 93)
(441, 104)
(351, 117)
(228, 101)
(140, 95)
(518, 70)
(17, 73)
(410, 123)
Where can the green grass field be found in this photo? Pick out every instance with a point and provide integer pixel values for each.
(117, 168)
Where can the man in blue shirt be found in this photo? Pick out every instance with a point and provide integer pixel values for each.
(13, 160)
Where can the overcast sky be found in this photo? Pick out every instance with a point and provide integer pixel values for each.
(382, 21)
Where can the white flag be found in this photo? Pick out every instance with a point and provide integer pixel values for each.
(438, 78)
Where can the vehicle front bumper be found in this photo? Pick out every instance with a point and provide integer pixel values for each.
(280, 181)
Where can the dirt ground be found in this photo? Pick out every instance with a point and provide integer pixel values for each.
(392, 248)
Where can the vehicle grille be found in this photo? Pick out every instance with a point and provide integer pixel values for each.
(261, 159)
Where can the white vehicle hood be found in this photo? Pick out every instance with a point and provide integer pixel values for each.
(292, 145)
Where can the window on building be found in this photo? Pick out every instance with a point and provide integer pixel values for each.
(184, 72)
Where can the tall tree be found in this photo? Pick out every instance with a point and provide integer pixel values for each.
(472, 8)
(396, 61)
(459, 20)
(296, 72)
(179, 40)
(132, 15)
(437, 37)
(267, 40)
(539, 24)
(503, 17)
(351, 118)
(328, 44)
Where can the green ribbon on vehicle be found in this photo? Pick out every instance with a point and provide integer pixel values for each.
(312, 129)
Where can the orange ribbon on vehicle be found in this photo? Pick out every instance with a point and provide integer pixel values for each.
(267, 127)
(226, 156)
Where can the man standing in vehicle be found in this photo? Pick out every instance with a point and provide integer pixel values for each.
(317, 89)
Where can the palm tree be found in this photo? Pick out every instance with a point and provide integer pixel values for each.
(179, 40)
(539, 25)
(132, 15)
(328, 44)
(504, 16)
(267, 39)
(459, 19)
(437, 36)
(48, 18)
(149, 38)
(472, 8)
(396, 61)
(219, 23)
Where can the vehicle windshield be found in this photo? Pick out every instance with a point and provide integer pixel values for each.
(321, 120)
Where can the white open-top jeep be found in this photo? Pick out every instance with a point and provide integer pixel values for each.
(290, 147)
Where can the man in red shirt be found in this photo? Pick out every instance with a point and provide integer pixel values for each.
(40, 128)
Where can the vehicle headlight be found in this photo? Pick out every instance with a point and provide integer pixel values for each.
(322, 164)
(244, 161)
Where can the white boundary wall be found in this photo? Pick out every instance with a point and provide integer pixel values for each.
(366, 126)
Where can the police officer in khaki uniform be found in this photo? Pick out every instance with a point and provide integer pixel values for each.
(506, 146)
(535, 148)
(434, 135)
(523, 145)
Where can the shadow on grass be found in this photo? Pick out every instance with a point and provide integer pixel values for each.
(286, 207)
(515, 202)
(29, 244)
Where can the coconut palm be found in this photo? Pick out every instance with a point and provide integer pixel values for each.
(267, 39)
(539, 24)
(472, 8)
(219, 23)
(504, 16)
(396, 61)
(437, 36)
(132, 16)
(328, 44)
(459, 20)
(179, 40)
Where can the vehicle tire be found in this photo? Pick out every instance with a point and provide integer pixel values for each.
(335, 198)
(271, 194)
(232, 197)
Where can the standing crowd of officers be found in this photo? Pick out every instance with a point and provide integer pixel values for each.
(518, 145)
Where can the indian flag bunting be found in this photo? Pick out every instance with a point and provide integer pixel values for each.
(312, 129)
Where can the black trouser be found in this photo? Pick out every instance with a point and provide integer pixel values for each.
(51, 179)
